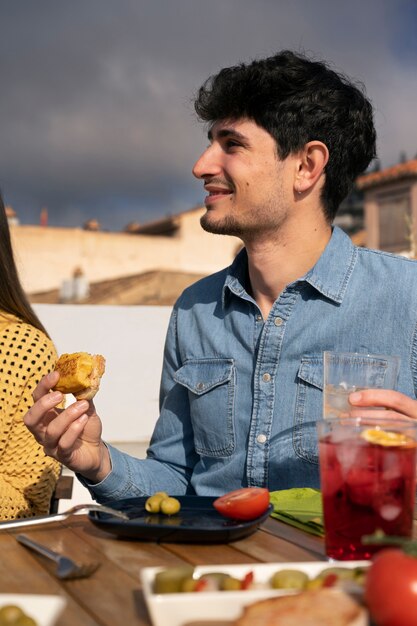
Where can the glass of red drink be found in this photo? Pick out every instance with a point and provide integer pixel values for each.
(368, 481)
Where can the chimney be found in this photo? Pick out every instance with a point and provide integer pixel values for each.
(44, 217)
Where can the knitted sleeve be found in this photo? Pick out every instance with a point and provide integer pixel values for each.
(27, 475)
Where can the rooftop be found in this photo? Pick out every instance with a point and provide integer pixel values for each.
(390, 174)
(158, 287)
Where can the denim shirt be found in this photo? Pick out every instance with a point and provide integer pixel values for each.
(240, 396)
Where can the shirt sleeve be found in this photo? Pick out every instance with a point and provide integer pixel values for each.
(171, 455)
(27, 475)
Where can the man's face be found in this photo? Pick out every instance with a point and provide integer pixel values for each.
(249, 188)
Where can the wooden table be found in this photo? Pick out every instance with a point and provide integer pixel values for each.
(112, 595)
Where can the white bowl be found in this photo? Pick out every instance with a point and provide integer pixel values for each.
(176, 609)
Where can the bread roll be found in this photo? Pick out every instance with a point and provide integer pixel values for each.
(321, 607)
(80, 374)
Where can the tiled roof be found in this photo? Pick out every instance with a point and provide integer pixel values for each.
(396, 172)
(162, 226)
(158, 287)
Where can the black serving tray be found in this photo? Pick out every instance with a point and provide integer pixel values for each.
(197, 522)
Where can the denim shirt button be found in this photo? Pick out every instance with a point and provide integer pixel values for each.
(261, 438)
(278, 321)
(266, 377)
(200, 386)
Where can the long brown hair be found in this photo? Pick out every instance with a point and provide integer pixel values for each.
(12, 297)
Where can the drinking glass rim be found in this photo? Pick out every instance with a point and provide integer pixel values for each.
(400, 423)
(369, 355)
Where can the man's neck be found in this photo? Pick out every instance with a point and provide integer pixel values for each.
(275, 262)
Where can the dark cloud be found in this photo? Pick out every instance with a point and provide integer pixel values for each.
(96, 116)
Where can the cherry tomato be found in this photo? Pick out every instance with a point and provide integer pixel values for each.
(243, 504)
(391, 588)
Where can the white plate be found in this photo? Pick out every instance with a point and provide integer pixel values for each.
(44, 609)
(176, 609)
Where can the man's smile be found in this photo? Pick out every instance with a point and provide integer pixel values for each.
(216, 192)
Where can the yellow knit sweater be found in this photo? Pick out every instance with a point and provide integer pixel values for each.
(27, 475)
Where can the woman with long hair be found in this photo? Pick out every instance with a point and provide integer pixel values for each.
(27, 475)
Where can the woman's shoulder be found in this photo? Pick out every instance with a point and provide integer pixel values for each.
(20, 336)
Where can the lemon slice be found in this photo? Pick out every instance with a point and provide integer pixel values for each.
(385, 437)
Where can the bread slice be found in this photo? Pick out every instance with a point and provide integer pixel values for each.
(80, 374)
(321, 607)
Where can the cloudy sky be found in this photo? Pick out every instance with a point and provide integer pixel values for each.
(96, 115)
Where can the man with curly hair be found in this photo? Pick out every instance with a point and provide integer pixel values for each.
(242, 380)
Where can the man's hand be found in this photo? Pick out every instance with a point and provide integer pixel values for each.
(71, 435)
(392, 403)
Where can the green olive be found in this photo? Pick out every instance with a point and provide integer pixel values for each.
(315, 583)
(153, 503)
(230, 583)
(188, 584)
(25, 621)
(10, 613)
(342, 573)
(170, 580)
(289, 579)
(169, 506)
(160, 494)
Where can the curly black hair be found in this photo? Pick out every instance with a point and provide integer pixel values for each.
(297, 100)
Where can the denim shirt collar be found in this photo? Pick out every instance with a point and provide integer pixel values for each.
(329, 276)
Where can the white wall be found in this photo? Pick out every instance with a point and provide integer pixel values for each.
(131, 338)
(45, 256)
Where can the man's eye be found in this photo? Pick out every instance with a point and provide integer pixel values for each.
(231, 143)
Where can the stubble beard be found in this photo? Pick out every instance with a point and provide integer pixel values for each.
(227, 226)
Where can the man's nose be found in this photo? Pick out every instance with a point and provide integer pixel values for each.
(207, 165)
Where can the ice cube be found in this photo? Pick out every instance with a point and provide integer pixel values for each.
(389, 512)
(346, 455)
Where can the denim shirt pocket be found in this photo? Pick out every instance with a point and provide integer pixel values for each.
(211, 387)
(308, 407)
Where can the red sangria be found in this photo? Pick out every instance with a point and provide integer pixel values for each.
(368, 482)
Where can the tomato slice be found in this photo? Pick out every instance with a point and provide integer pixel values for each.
(243, 504)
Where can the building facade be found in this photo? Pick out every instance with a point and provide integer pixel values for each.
(390, 204)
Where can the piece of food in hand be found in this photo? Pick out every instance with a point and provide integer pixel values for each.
(322, 607)
(243, 504)
(80, 374)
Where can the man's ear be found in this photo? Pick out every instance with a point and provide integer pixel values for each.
(312, 161)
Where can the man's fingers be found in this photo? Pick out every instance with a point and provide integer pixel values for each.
(378, 413)
(398, 402)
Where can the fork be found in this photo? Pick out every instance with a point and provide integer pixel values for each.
(66, 568)
(74, 510)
